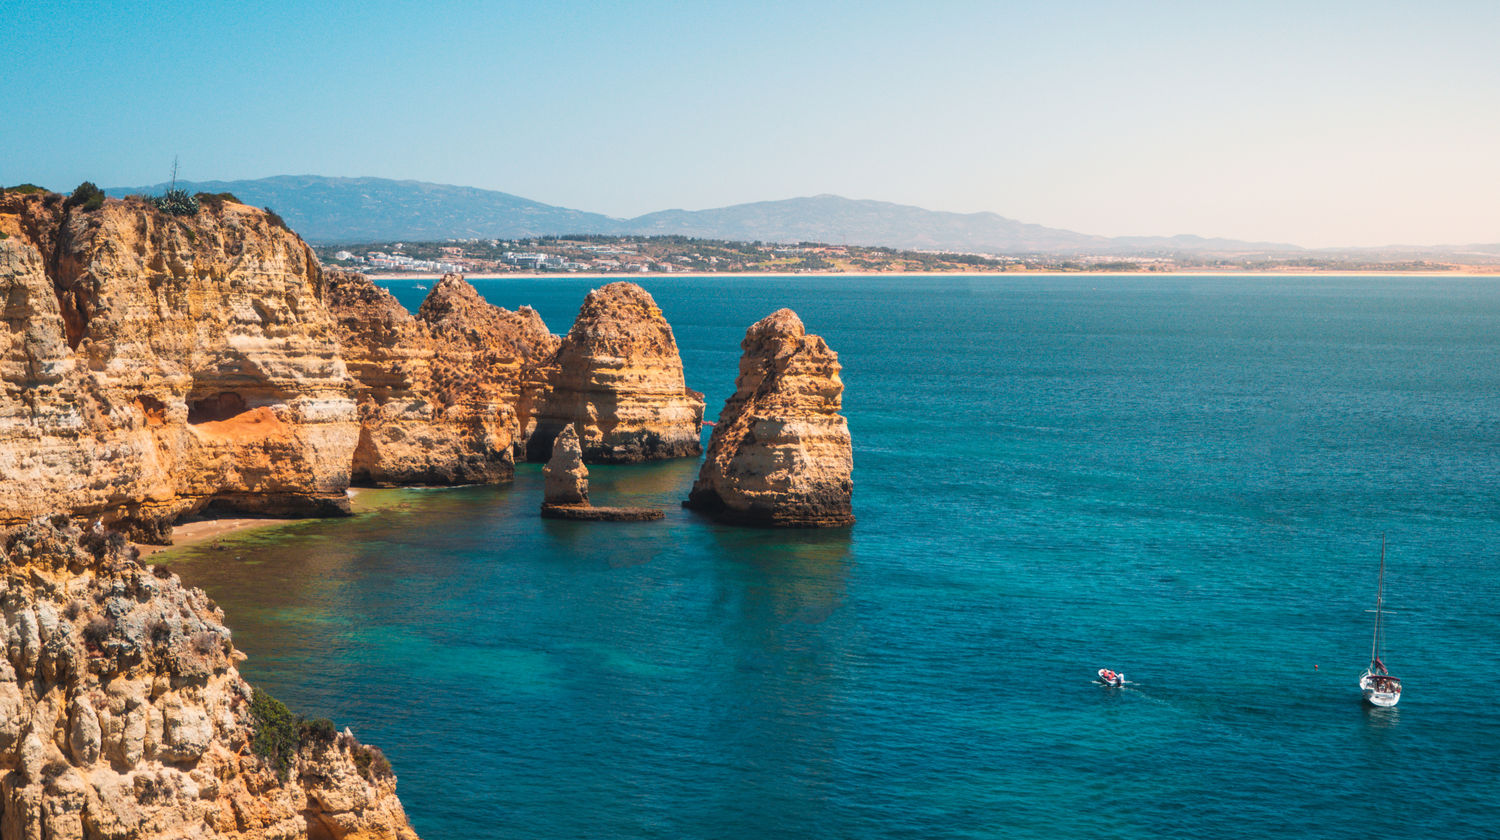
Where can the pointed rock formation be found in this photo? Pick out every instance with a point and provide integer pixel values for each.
(566, 493)
(436, 393)
(151, 364)
(780, 454)
(567, 479)
(617, 376)
(122, 713)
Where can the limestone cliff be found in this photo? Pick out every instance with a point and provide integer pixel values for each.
(151, 364)
(617, 377)
(780, 454)
(123, 716)
(436, 393)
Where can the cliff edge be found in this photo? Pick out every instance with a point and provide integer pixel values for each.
(123, 716)
(152, 364)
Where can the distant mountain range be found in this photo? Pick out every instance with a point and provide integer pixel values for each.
(332, 210)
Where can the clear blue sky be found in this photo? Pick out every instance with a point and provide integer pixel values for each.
(1323, 123)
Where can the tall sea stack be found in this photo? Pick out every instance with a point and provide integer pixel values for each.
(617, 377)
(780, 454)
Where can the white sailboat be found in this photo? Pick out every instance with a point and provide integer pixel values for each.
(1379, 687)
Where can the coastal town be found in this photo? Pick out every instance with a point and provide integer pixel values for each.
(644, 255)
(602, 254)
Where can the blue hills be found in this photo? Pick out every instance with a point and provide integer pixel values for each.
(328, 210)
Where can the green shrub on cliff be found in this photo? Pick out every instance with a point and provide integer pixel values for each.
(176, 202)
(87, 195)
(215, 201)
(275, 732)
(275, 219)
(317, 733)
(24, 189)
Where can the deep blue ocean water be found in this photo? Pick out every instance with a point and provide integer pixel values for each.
(1183, 478)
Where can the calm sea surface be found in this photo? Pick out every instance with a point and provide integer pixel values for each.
(1183, 478)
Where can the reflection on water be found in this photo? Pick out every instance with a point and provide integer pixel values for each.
(1381, 718)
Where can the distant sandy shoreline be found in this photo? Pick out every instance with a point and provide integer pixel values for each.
(620, 275)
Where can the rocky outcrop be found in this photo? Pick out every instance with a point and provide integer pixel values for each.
(488, 360)
(123, 716)
(617, 377)
(566, 487)
(780, 454)
(152, 364)
(437, 392)
(566, 479)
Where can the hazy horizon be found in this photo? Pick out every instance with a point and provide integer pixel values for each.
(1349, 125)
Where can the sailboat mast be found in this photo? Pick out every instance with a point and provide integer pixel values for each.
(1379, 597)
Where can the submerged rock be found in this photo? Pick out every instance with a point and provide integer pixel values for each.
(616, 377)
(780, 454)
(127, 718)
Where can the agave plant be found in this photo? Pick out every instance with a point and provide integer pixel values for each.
(176, 202)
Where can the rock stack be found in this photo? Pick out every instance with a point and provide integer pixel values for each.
(437, 393)
(617, 377)
(566, 487)
(153, 365)
(780, 454)
(122, 713)
(566, 478)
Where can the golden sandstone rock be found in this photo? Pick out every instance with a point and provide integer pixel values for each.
(617, 377)
(122, 713)
(151, 364)
(566, 478)
(437, 393)
(780, 454)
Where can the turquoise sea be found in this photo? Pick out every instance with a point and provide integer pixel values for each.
(1184, 478)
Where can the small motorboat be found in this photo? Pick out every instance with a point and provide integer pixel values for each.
(1111, 678)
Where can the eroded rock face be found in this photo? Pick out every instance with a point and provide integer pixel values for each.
(780, 454)
(436, 393)
(567, 479)
(151, 364)
(617, 377)
(122, 714)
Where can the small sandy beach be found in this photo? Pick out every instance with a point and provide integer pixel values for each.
(204, 530)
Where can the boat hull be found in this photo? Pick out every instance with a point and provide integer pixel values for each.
(1377, 696)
